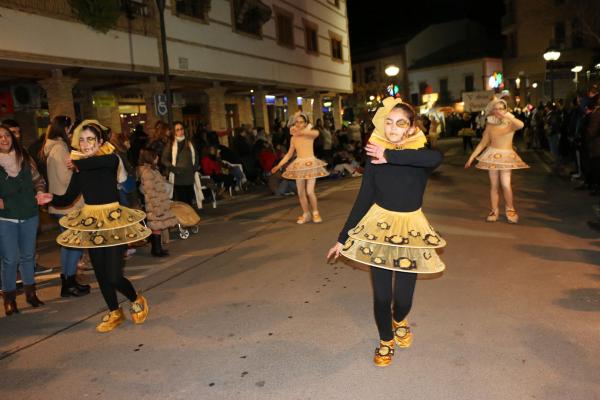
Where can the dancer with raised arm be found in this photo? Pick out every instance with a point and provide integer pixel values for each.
(103, 225)
(386, 228)
(499, 158)
(306, 168)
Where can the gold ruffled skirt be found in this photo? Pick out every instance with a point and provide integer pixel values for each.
(306, 168)
(102, 225)
(500, 159)
(398, 241)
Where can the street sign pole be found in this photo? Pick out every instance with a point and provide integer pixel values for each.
(165, 60)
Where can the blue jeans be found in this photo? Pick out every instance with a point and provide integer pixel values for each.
(69, 257)
(17, 246)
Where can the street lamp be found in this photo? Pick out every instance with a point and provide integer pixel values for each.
(392, 70)
(551, 55)
(577, 69)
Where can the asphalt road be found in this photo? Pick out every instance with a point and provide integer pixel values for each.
(248, 308)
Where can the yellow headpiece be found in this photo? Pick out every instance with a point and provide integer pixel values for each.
(416, 141)
(106, 147)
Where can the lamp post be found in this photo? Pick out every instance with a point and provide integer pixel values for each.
(577, 69)
(392, 71)
(551, 55)
(165, 59)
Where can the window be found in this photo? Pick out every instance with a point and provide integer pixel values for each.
(370, 74)
(577, 40)
(311, 37)
(469, 83)
(336, 47)
(284, 26)
(193, 8)
(511, 45)
(559, 33)
(444, 94)
(249, 16)
(135, 8)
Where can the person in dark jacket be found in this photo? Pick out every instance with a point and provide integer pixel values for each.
(22, 190)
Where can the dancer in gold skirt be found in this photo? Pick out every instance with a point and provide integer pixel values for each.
(499, 158)
(386, 228)
(102, 226)
(306, 168)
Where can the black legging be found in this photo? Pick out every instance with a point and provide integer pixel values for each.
(383, 294)
(108, 267)
(467, 141)
(184, 193)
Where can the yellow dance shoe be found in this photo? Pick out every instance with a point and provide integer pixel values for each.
(402, 334)
(110, 321)
(511, 216)
(384, 353)
(139, 310)
(316, 217)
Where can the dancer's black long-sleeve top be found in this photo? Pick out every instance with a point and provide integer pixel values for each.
(396, 186)
(96, 179)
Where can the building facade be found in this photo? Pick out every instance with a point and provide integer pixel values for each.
(450, 58)
(530, 28)
(232, 62)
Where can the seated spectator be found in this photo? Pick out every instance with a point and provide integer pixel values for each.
(212, 167)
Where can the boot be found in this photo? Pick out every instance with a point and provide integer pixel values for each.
(31, 296)
(10, 303)
(139, 310)
(402, 334)
(384, 353)
(157, 250)
(83, 288)
(69, 287)
(111, 320)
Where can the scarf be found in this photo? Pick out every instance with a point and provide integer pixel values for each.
(9, 163)
(416, 141)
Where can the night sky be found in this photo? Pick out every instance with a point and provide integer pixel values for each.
(382, 20)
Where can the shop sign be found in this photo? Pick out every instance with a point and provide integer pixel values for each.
(104, 100)
(476, 101)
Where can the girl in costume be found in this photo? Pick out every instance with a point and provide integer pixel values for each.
(103, 226)
(499, 158)
(305, 169)
(386, 228)
(156, 199)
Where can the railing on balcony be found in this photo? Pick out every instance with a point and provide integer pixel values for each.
(140, 18)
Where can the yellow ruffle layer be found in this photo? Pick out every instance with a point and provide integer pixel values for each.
(500, 159)
(101, 217)
(105, 238)
(306, 168)
(400, 241)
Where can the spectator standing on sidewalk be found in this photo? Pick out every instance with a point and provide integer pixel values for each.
(56, 153)
(181, 161)
(158, 140)
(21, 191)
